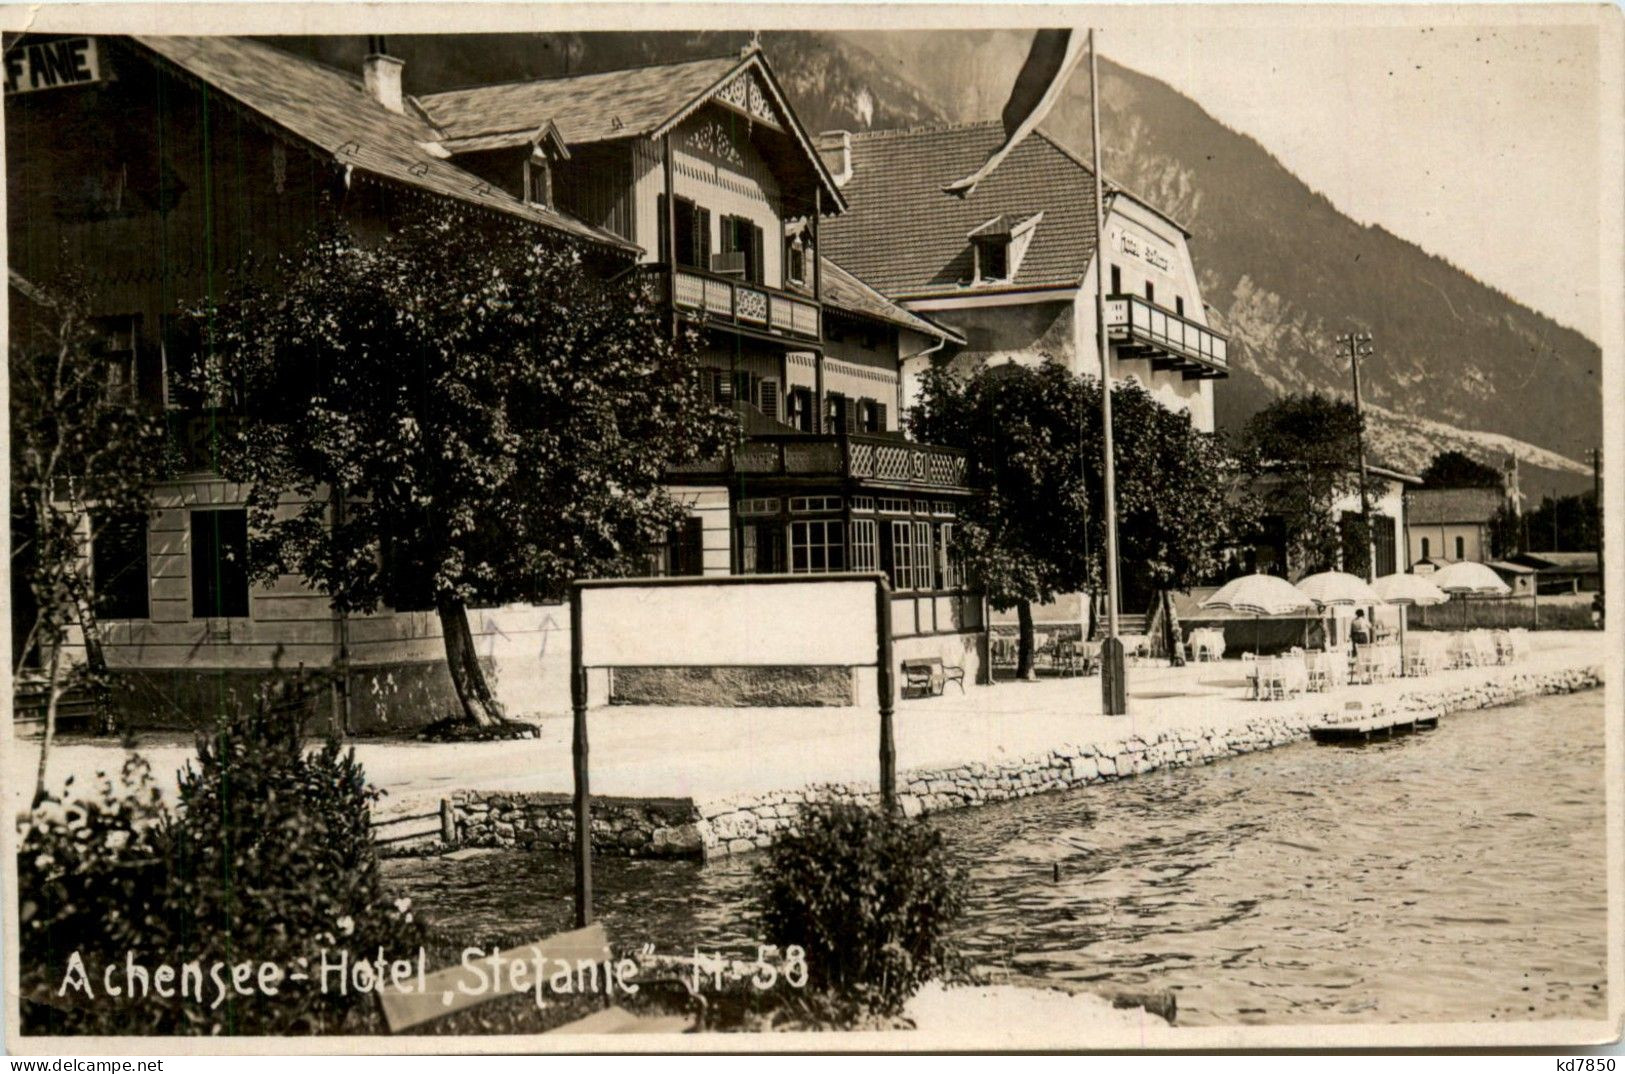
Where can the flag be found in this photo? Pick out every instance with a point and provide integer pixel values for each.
(1051, 59)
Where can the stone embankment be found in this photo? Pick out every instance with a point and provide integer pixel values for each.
(686, 828)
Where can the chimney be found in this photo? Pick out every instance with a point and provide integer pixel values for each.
(381, 74)
(835, 148)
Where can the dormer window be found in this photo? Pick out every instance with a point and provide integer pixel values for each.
(547, 148)
(998, 246)
(539, 179)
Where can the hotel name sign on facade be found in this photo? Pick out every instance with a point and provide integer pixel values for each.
(71, 61)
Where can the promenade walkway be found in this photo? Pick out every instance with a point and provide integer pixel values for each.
(708, 753)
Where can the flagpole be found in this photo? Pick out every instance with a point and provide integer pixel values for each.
(1114, 694)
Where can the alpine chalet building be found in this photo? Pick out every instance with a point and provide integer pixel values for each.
(155, 166)
(1011, 267)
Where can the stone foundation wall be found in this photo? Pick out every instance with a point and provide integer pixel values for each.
(633, 827)
(733, 687)
(684, 828)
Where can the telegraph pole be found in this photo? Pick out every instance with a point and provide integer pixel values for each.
(1359, 346)
(1596, 504)
(1113, 688)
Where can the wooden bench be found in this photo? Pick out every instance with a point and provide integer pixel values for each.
(928, 676)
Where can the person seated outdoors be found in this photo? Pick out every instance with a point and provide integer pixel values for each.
(1360, 629)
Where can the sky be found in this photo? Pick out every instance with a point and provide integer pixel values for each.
(1480, 143)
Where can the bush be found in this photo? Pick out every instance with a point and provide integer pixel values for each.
(91, 875)
(270, 859)
(870, 897)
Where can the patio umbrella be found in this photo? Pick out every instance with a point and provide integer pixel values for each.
(1469, 578)
(1336, 588)
(1260, 594)
(1407, 591)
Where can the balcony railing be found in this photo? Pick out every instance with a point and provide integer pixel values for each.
(751, 306)
(878, 460)
(1143, 329)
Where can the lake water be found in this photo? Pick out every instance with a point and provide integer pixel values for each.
(1445, 876)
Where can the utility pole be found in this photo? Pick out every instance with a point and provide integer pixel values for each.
(1596, 507)
(1113, 688)
(1359, 346)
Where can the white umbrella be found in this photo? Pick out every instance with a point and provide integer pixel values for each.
(1330, 588)
(1335, 588)
(1468, 577)
(1409, 590)
(1260, 594)
(1406, 591)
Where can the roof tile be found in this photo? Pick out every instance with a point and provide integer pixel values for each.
(907, 237)
(333, 111)
(587, 108)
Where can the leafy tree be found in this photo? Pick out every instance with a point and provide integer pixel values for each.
(1033, 437)
(458, 412)
(82, 455)
(1023, 428)
(1456, 470)
(1301, 452)
(1564, 524)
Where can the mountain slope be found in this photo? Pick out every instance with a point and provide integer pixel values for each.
(1458, 364)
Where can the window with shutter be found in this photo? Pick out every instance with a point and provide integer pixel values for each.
(702, 238)
(722, 386)
(693, 227)
(755, 265)
(838, 413)
(800, 409)
(743, 385)
(849, 415)
(880, 425)
(769, 396)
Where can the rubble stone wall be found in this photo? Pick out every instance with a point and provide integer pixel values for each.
(684, 828)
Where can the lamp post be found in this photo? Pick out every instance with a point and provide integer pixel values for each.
(1358, 345)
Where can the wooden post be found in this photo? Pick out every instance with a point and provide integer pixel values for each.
(578, 752)
(668, 228)
(887, 690)
(448, 823)
(1113, 684)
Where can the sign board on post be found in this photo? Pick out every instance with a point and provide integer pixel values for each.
(42, 65)
(724, 621)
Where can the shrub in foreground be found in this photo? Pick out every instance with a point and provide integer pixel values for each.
(269, 860)
(871, 897)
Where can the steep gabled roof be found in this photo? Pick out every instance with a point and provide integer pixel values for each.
(1442, 506)
(333, 112)
(637, 102)
(587, 108)
(844, 291)
(908, 238)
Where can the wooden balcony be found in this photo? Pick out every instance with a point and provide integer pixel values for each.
(724, 300)
(876, 461)
(1142, 329)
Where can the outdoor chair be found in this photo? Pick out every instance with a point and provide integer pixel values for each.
(929, 676)
(1315, 665)
(1417, 659)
